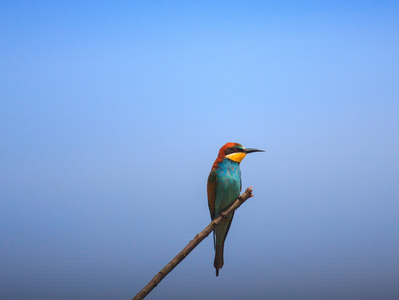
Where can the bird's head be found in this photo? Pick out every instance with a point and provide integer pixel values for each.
(235, 152)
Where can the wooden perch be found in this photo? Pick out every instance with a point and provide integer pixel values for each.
(192, 244)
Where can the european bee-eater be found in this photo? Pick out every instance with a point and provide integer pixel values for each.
(224, 186)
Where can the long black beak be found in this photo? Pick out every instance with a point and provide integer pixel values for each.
(250, 150)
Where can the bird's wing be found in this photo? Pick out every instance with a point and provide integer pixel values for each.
(211, 188)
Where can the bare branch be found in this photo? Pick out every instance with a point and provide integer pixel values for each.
(192, 244)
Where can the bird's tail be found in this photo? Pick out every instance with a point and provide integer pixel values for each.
(218, 263)
(220, 237)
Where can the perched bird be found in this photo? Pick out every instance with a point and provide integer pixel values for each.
(224, 186)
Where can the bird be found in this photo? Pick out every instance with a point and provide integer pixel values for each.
(223, 188)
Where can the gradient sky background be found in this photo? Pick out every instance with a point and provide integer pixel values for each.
(112, 114)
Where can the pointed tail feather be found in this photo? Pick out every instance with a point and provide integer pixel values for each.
(218, 263)
(220, 234)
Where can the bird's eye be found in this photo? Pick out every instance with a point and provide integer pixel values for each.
(235, 149)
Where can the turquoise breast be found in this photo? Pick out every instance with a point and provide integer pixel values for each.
(228, 185)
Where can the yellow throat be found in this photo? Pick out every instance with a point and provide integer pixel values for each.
(237, 157)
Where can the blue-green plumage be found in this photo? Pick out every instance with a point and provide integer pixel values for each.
(228, 187)
(224, 186)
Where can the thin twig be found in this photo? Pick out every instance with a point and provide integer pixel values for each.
(192, 244)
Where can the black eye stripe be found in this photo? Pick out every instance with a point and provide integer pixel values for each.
(233, 150)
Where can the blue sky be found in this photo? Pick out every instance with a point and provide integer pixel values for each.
(113, 113)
